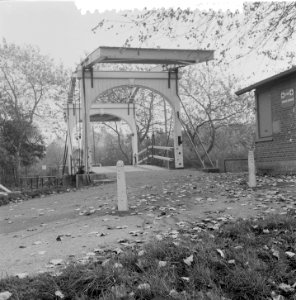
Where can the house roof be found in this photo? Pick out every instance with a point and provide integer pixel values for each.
(267, 80)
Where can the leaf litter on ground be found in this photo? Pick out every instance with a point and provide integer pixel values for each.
(260, 252)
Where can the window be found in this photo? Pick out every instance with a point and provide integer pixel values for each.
(264, 115)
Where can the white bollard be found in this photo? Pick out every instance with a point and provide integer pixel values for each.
(252, 169)
(121, 187)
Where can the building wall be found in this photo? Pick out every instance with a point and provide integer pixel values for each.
(278, 152)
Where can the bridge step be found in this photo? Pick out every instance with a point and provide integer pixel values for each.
(211, 170)
(104, 180)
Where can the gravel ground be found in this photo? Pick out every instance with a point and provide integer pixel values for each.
(38, 234)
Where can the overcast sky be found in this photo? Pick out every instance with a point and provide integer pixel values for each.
(63, 29)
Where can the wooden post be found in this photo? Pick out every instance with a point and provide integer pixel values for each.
(121, 187)
(77, 181)
(252, 169)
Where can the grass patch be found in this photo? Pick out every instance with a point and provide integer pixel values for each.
(244, 260)
(29, 194)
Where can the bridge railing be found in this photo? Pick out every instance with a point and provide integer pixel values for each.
(162, 153)
(40, 182)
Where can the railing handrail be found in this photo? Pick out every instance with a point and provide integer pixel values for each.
(152, 155)
(156, 147)
(161, 157)
(32, 177)
(161, 148)
(142, 151)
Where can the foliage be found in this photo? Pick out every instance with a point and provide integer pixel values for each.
(54, 157)
(241, 260)
(210, 102)
(112, 144)
(27, 79)
(234, 140)
(274, 20)
(231, 141)
(21, 142)
(15, 131)
(231, 34)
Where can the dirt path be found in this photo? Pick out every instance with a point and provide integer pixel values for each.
(74, 224)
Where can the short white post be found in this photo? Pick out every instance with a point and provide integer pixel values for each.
(121, 187)
(252, 169)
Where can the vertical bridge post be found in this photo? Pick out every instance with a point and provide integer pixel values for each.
(252, 170)
(121, 187)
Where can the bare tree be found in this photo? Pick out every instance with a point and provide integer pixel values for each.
(26, 79)
(120, 141)
(259, 23)
(208, 96)
(150, 113)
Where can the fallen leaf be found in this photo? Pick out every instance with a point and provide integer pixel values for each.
(286, 288)
(37, 243)
(277, 297)
(189, 260)
(159, 237)
(22, 275)
(221, 253)
(117, 251)
(5, 295)
(59, 238)
(290, 254)
(174, 294)
(105, 262)
(185, 279)
(56, 261)
(275, 253)
(144, 286)
(59, 294)
(119, 291)
(162, 263)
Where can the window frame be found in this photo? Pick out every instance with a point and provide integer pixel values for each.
(258, 131)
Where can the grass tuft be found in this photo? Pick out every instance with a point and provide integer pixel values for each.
(241, 260)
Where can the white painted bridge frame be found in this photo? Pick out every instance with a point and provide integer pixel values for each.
(93, 84)
(122, 111)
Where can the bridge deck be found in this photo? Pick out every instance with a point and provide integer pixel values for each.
(140, 168)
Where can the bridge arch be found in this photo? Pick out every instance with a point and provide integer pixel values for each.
(95, 83)
(145, 87)
(92, 84)
(105, 112)
(163, 83)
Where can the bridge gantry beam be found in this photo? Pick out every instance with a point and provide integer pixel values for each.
(94, 83)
